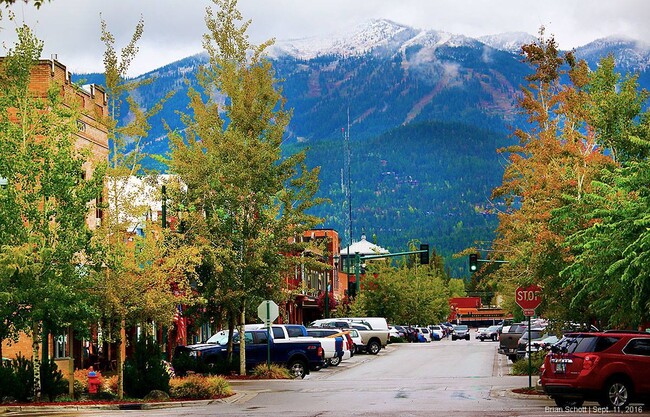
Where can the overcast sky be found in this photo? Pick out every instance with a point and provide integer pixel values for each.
(173, 28)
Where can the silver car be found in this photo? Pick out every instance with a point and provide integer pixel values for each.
(461, 331)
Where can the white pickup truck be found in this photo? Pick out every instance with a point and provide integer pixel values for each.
(373, 340)
(333, 347)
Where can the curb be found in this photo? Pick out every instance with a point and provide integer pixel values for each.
(126, 406)
(509, 392)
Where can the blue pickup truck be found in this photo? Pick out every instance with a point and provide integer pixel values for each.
(298, 355)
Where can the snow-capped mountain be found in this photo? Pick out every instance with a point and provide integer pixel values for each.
(425, 107)
(629, 54)
(377, 37)
(509, 41)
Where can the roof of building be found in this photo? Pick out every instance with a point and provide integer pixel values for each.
(363, 247)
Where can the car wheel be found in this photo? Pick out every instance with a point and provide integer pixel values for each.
(297, 368)
(335, 361)
(617, 394)
(568, 402)
(374, 347)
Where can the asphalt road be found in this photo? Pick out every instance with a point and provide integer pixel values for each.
(447, 378)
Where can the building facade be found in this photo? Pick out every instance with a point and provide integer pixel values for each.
(93, 134)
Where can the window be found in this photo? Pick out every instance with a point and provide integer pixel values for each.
(294, 331)
(61, 346)
(277, 333)
(638, 347)
(262, 338)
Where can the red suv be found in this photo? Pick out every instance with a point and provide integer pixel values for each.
(611, 367)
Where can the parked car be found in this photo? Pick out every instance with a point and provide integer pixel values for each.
(509, 340)
(299, 355)
(490, 333)
(356, 339)
(609, 367)
(545, 343)
(437, 332)
(424, 331)
(393, 332)
(332, 338)
(536, 335)
(461, 331)
(401, 330)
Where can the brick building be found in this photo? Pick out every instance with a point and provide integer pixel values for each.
(92, 133)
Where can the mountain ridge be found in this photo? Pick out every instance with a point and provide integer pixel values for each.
(428, 109)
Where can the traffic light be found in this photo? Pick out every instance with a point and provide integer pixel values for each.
(424, 256)
(473, 262)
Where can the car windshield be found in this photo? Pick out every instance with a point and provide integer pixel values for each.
(493, 328)
(435, 327)
(221, 338)
(462, 328)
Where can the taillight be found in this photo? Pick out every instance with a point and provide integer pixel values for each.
(320, 352)
(589, 362)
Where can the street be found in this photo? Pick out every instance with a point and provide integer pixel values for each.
(457, 378)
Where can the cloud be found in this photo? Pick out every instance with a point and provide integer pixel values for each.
(174, 28)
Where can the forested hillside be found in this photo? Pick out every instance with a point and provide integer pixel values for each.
(429, 181)
(427, 113)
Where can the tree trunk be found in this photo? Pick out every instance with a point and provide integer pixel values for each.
(71, 362)
(231, 332)
(242, 341)
(36, 350)
(120, 360)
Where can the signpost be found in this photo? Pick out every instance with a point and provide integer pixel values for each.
(268, 311)
(529, 298)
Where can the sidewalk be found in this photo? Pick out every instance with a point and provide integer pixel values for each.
(136, 405)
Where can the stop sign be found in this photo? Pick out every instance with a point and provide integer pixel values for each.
(267, 311)
(528, 298)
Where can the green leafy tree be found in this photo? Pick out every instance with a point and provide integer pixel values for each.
(555, 161)
(44, 203)
(610, 251)
(251, 201)
(139, 279)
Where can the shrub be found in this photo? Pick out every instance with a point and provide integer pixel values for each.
(23, 388)
(8, 380)
(110, 384)
(52, 382)
(80, 382)
(144, 370)
(521, 366)
(394, 339)
(274, 372)
(182, 363)
(199, 387)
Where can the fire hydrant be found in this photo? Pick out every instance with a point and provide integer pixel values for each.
(93, 381)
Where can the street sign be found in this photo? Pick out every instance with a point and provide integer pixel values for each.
(528, 298)
(268, 311)
(529, 312)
